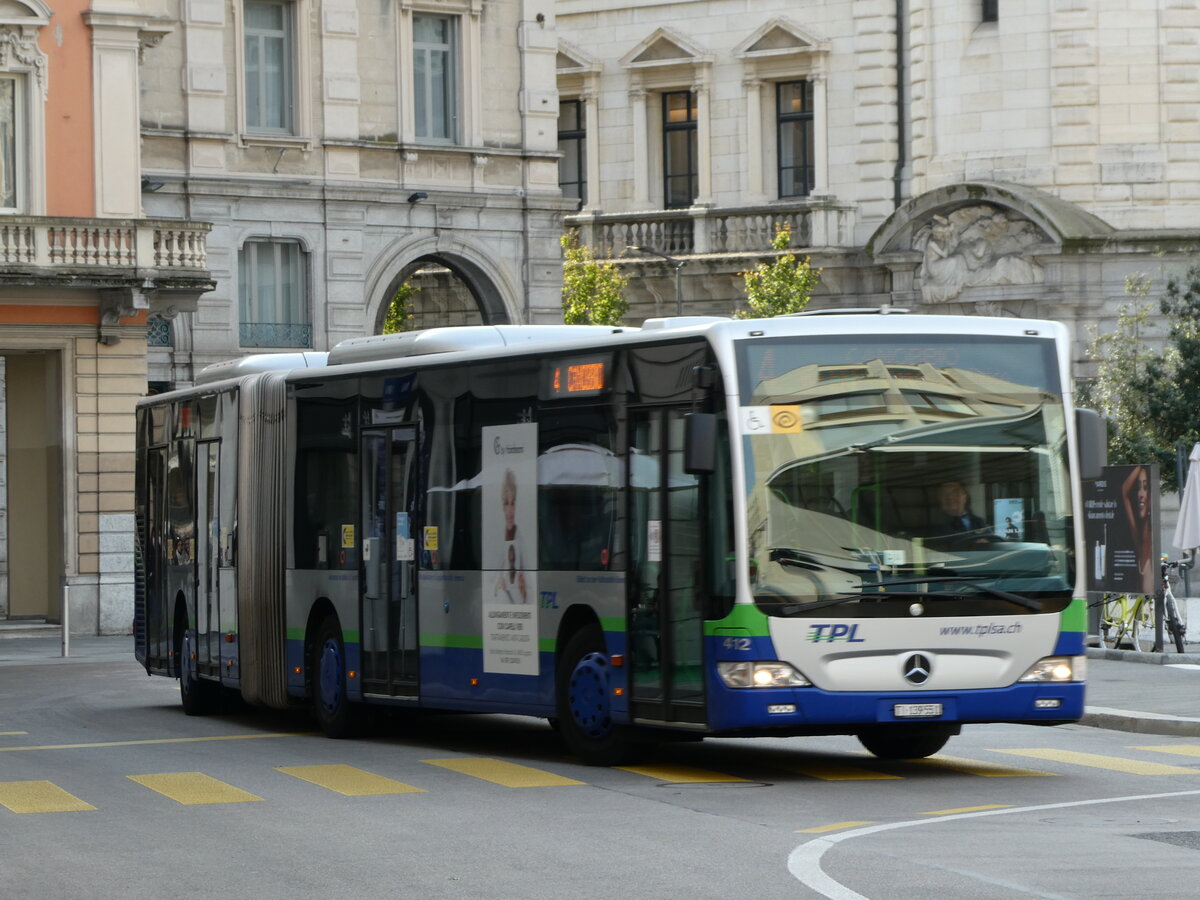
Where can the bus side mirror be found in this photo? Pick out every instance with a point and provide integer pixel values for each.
(1092, 434)
(699, 443)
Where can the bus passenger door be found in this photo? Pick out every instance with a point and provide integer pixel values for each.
(207, 644)
(665, 619)
(389, 611)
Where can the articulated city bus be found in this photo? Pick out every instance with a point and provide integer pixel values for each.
(853, 523)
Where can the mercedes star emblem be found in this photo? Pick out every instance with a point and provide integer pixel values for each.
(917, 668)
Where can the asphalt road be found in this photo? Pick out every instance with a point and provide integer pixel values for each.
(108, 790)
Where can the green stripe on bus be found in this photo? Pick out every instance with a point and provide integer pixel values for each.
(295, 634)
(453, 641)
(1074, 617)
(743, 616)
(612, 623)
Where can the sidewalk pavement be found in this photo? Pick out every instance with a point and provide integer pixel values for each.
(1145, 693)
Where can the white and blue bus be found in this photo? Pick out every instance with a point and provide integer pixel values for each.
(852, 523)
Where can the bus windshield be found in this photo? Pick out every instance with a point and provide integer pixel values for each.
(897, 475)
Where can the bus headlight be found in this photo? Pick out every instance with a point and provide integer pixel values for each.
(1057, 669)
(760, 675)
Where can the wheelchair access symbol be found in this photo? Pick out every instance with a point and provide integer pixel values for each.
(781, 419)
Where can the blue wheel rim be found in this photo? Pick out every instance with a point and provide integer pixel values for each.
(589, 696)
(330, 684)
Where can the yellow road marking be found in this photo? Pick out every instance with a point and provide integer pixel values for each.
(193, 788)
(10, 733)
(39, 797)
(682, 774)
(836, 826)
(1177, 749)
(967, 809)
(187, 740)
(505, 774)
(348, 780)
(977, 767)
(1096, 761)
(830, 771)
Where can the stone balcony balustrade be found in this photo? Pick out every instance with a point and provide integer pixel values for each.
(159, 265)
(699, 231)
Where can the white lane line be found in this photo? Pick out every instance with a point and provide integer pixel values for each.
(805, 861)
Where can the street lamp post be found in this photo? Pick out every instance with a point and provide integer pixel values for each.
(677, 263)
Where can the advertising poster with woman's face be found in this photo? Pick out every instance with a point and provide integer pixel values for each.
(1120, 513)
(509, 498)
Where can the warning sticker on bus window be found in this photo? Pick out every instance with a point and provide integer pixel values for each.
(781, 419)
(431, 538)
(347, 537)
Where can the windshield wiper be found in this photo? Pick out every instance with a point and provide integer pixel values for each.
(973, 580)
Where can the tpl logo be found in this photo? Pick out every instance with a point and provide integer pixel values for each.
(834, 632)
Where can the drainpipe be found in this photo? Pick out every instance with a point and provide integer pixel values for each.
(901, 109)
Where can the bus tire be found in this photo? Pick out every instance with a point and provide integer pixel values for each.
(583, 699)
(331, 707)
(905, 741)
(197, 696)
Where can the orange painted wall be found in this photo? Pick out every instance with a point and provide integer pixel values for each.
(70, 156)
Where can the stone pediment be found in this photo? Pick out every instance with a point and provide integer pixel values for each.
(665, 47)
(24, 12)
(779, 37)
(571, 60)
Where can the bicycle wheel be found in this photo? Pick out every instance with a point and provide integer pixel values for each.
(1174, 620)
(1143, 625)
(1112, 621)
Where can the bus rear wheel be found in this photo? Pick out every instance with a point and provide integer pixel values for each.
(331, 707)
(197, 696)
(584, 715)
(906, 741)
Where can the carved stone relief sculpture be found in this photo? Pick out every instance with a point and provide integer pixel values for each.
(976, 246)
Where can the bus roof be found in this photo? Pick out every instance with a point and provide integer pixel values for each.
(480, 341)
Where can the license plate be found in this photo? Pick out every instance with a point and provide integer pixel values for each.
(917, 710)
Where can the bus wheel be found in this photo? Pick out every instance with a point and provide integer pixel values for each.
(199, 697)
(906, 742)
(332, 709)
(584, 691)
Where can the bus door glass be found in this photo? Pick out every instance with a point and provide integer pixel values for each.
(665, 619)
(389, 612)
(155, 550)
(206, 482)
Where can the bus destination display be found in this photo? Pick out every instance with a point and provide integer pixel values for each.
(586, 377)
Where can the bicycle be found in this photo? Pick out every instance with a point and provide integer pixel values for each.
(1131, 618)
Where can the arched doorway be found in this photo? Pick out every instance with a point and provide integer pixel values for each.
(443, 289)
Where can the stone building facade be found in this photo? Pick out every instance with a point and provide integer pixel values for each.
(338, 148)
(81, 268)
(948, 156)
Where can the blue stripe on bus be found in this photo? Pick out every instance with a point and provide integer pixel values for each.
(731, 708)
(446, 674)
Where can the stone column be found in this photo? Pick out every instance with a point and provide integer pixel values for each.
(641, 149)
(591, 138)
(820, 136)
(116, 105)
(755, 192)
(703, 145)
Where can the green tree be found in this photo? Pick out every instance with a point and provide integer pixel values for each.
(400, 313)
(593, 292)
(1148, 395)
(780, 287)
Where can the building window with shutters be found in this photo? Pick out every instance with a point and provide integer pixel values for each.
(794, 127)
(273, 295)
(435, 77)
(270, 66)
(572, 144)
(680, 163)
